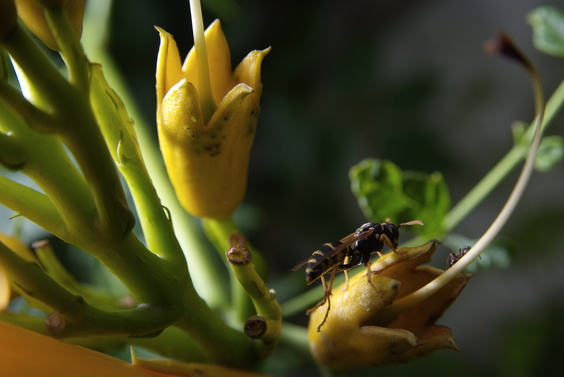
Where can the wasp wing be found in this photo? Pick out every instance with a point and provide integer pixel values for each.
(345, 242)
(300, 265)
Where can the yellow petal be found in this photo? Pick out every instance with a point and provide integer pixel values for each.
(4, 291)
(219, 63)
(360, 332)
(207, 166)
(26, 353)
(169, 69)
(18, 247)
(249, 70)
(32, 13)
(343, 341)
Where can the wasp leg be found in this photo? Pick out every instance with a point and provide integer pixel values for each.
(326, 299)
(369, 272)
(346, 280)
(387, 241)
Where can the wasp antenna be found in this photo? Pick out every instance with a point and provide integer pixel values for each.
(412, 222)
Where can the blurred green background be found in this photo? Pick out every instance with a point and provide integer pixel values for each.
(406, 81)
(401, 80)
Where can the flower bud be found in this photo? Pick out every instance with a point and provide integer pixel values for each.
(32, 12)
(207, 159)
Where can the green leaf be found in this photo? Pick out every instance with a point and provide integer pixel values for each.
(383, 191)
(548, 30)
(551, 152)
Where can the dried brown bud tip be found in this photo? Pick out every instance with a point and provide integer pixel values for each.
(255, 327)
(237, 239)
(55, 323)
(503, 45)
(41, 244)
(239, 255)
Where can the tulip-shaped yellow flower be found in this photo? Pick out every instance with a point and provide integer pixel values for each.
(356, 334)
(26, 353)
(17, 246)
(32, 12)
(206, 141)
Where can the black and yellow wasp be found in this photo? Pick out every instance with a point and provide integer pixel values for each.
(348, 252)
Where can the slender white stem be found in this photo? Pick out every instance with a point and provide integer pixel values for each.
(496, 226)
(204, 89)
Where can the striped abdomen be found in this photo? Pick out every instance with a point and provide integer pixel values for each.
(322, 261)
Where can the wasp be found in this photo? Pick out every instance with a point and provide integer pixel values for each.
(350, 251)
(455, 257)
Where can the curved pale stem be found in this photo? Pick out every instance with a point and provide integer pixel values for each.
(503, 216)
(204, 89)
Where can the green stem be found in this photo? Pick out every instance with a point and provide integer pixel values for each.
(219, 233)
(32, 205)
(79, 130)
(264, 300)
(502, 168)
(224, 344)
(27, 111)
(58, 272)
(70, 47)
(46, 162)
(175, 344)
(446, 277)
(296, 337)
(117, 128)
(75, 317)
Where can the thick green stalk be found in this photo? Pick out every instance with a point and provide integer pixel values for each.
(219, 233)
(70, 47)
(32, 205)
(42, 158)
(78, 128)
(74, 317)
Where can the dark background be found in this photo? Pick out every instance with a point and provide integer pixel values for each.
(401, 80)
(406, 81)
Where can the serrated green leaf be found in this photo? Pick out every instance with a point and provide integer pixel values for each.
(548, 30)
(383, 191)
(551, 152)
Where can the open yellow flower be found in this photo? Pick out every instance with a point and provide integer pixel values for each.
(26, 353)
(206, 148)
(17, 246)
(355, 333)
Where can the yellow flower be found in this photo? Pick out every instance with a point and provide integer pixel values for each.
(206, 148)
(32, 12)
(26, 353)
(17, 246)
(356, 334)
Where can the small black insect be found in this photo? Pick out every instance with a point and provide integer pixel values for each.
(455, 257)
(350, 251)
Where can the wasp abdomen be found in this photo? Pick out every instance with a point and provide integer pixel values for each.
(320, 262)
